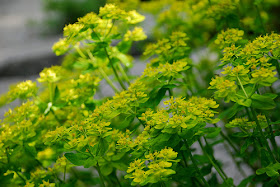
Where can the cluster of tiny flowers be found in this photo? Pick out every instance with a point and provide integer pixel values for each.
(166, 70)
(126, 142)
(244, 123)
(111, 11)
(94, 27)
(229, 37)
(44, 184)
(224, 88)
(256, 53)
(222, 8)
(23, 90)
(123, 102)
(158, 168)
(181, 113)
(177, 41)
(97, 124)
(80, 89)
(264, 76)
(136, 35)
(52, 74)
(266, 45)
(18, 120)
(246, 66)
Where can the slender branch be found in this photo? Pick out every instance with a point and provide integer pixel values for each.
(100, 175)
(114, 69)
(20, 176)
(211, 161)
(242, 87)
(123, 73)
(214, 160)
(272, 139)
(262, 134)
(104, 75)
(64, 173)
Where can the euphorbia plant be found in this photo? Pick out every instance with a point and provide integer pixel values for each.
(147, 133)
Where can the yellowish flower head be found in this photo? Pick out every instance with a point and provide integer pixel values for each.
(136, 35)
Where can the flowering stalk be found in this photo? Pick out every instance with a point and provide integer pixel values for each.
(212, 162)
(100, 175)
(102, 72)
(123, 73)
(114, 69)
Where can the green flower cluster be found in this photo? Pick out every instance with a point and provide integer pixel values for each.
(248, 69)
(181, 113)
(229, 37)
(156, 170)
(93, 27)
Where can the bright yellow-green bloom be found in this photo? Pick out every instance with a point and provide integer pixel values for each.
(52, 74)
(23, 90)
(244, 123)
(61, 47)
(47, 184)
(229, 37)
(156, 170)
(45, 154)
(136, 35)
(225, 88)
(134, 17)
(264, 76)
(111, 11)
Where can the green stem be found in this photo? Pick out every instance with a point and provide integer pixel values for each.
(110, 29)
(123, 73)
(114, 69)
(170, 89)
(277, 67)
(56, 118)
(7, 154)
(100, 175)
(51, 91)
(80, 52)
(262, 134)
(108, 80)
(214, 160)
(104, 75)
(242, 87)
(211, 161)
(195, 165)
(23, 179)
(248, 113)
(64, 174)
(272, 139)
(98, 169)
